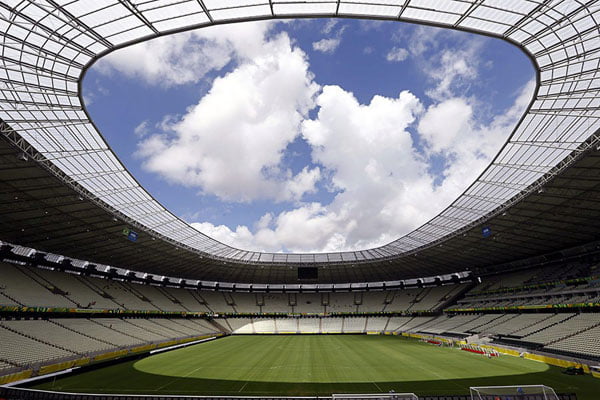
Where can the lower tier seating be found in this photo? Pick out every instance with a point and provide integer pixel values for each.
(566, 332)
(30, 343)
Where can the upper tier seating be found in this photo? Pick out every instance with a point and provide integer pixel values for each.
(75, 289)
(246, 302)
(156, 296)
(308, 303)
(187, 298)
(275, 302)
(345, 302)
(20, 285)
(216, 301)
(20, 289)
(535, 287)
(371, 302)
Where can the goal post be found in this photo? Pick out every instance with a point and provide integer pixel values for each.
(375, 396)
(516, 392)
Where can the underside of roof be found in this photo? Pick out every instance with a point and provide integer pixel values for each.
(38, 210)
(74, 197)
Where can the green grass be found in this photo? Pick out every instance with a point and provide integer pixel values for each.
(319, 365)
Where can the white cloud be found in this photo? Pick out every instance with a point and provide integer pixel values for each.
(456, 69)
(450, 70)
(397, 54)
(383, 183)
(329, 25)
(327, 45)
(142, 129)
(385, 187)
(424, 38)
(367, 25)
(444, 122)
(186, 57)
(232, 142)
(450, 127)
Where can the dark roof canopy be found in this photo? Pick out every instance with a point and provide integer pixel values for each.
(73, 195)
(39, 210)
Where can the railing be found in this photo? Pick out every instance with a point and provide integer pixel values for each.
(11, 393)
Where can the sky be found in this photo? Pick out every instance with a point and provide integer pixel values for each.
(309, 135)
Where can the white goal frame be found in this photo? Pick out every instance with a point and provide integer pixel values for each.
(514, 391)
(375, 396)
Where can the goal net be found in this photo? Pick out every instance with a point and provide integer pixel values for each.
(519, 392)
(375, 396)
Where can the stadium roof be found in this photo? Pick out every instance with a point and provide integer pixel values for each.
(38, 210)
(47, 46)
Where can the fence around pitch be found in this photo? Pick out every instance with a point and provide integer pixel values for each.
(15, 393)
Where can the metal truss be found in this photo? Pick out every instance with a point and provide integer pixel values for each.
(46, 46)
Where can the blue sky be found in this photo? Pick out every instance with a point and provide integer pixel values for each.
(309, 135)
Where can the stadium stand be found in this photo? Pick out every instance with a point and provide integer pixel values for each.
(20, 288)
(263, 326)
(354, 324)
(543, 321)
(247, 302)
(286, 325)
(56, 335)
(47, 48)
(376, 324)
(274, 302)
(21, 285)
(570, 324)
(344, 303)
(58, 339)
(309, 325)
(583, 343)
(186, 298)
(308, 303)
(14, 342)
(331, 325)
(66, 338)
(235, 324)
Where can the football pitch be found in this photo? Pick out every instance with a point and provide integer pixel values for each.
(318, 365)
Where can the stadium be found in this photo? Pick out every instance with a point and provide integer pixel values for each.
(106, 294)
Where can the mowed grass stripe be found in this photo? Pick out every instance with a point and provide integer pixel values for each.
(318, 365)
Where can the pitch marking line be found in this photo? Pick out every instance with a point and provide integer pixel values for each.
(377, 386)
(175, 380)
(243, 386)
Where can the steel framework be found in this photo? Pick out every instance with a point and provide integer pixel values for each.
(46, 46)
